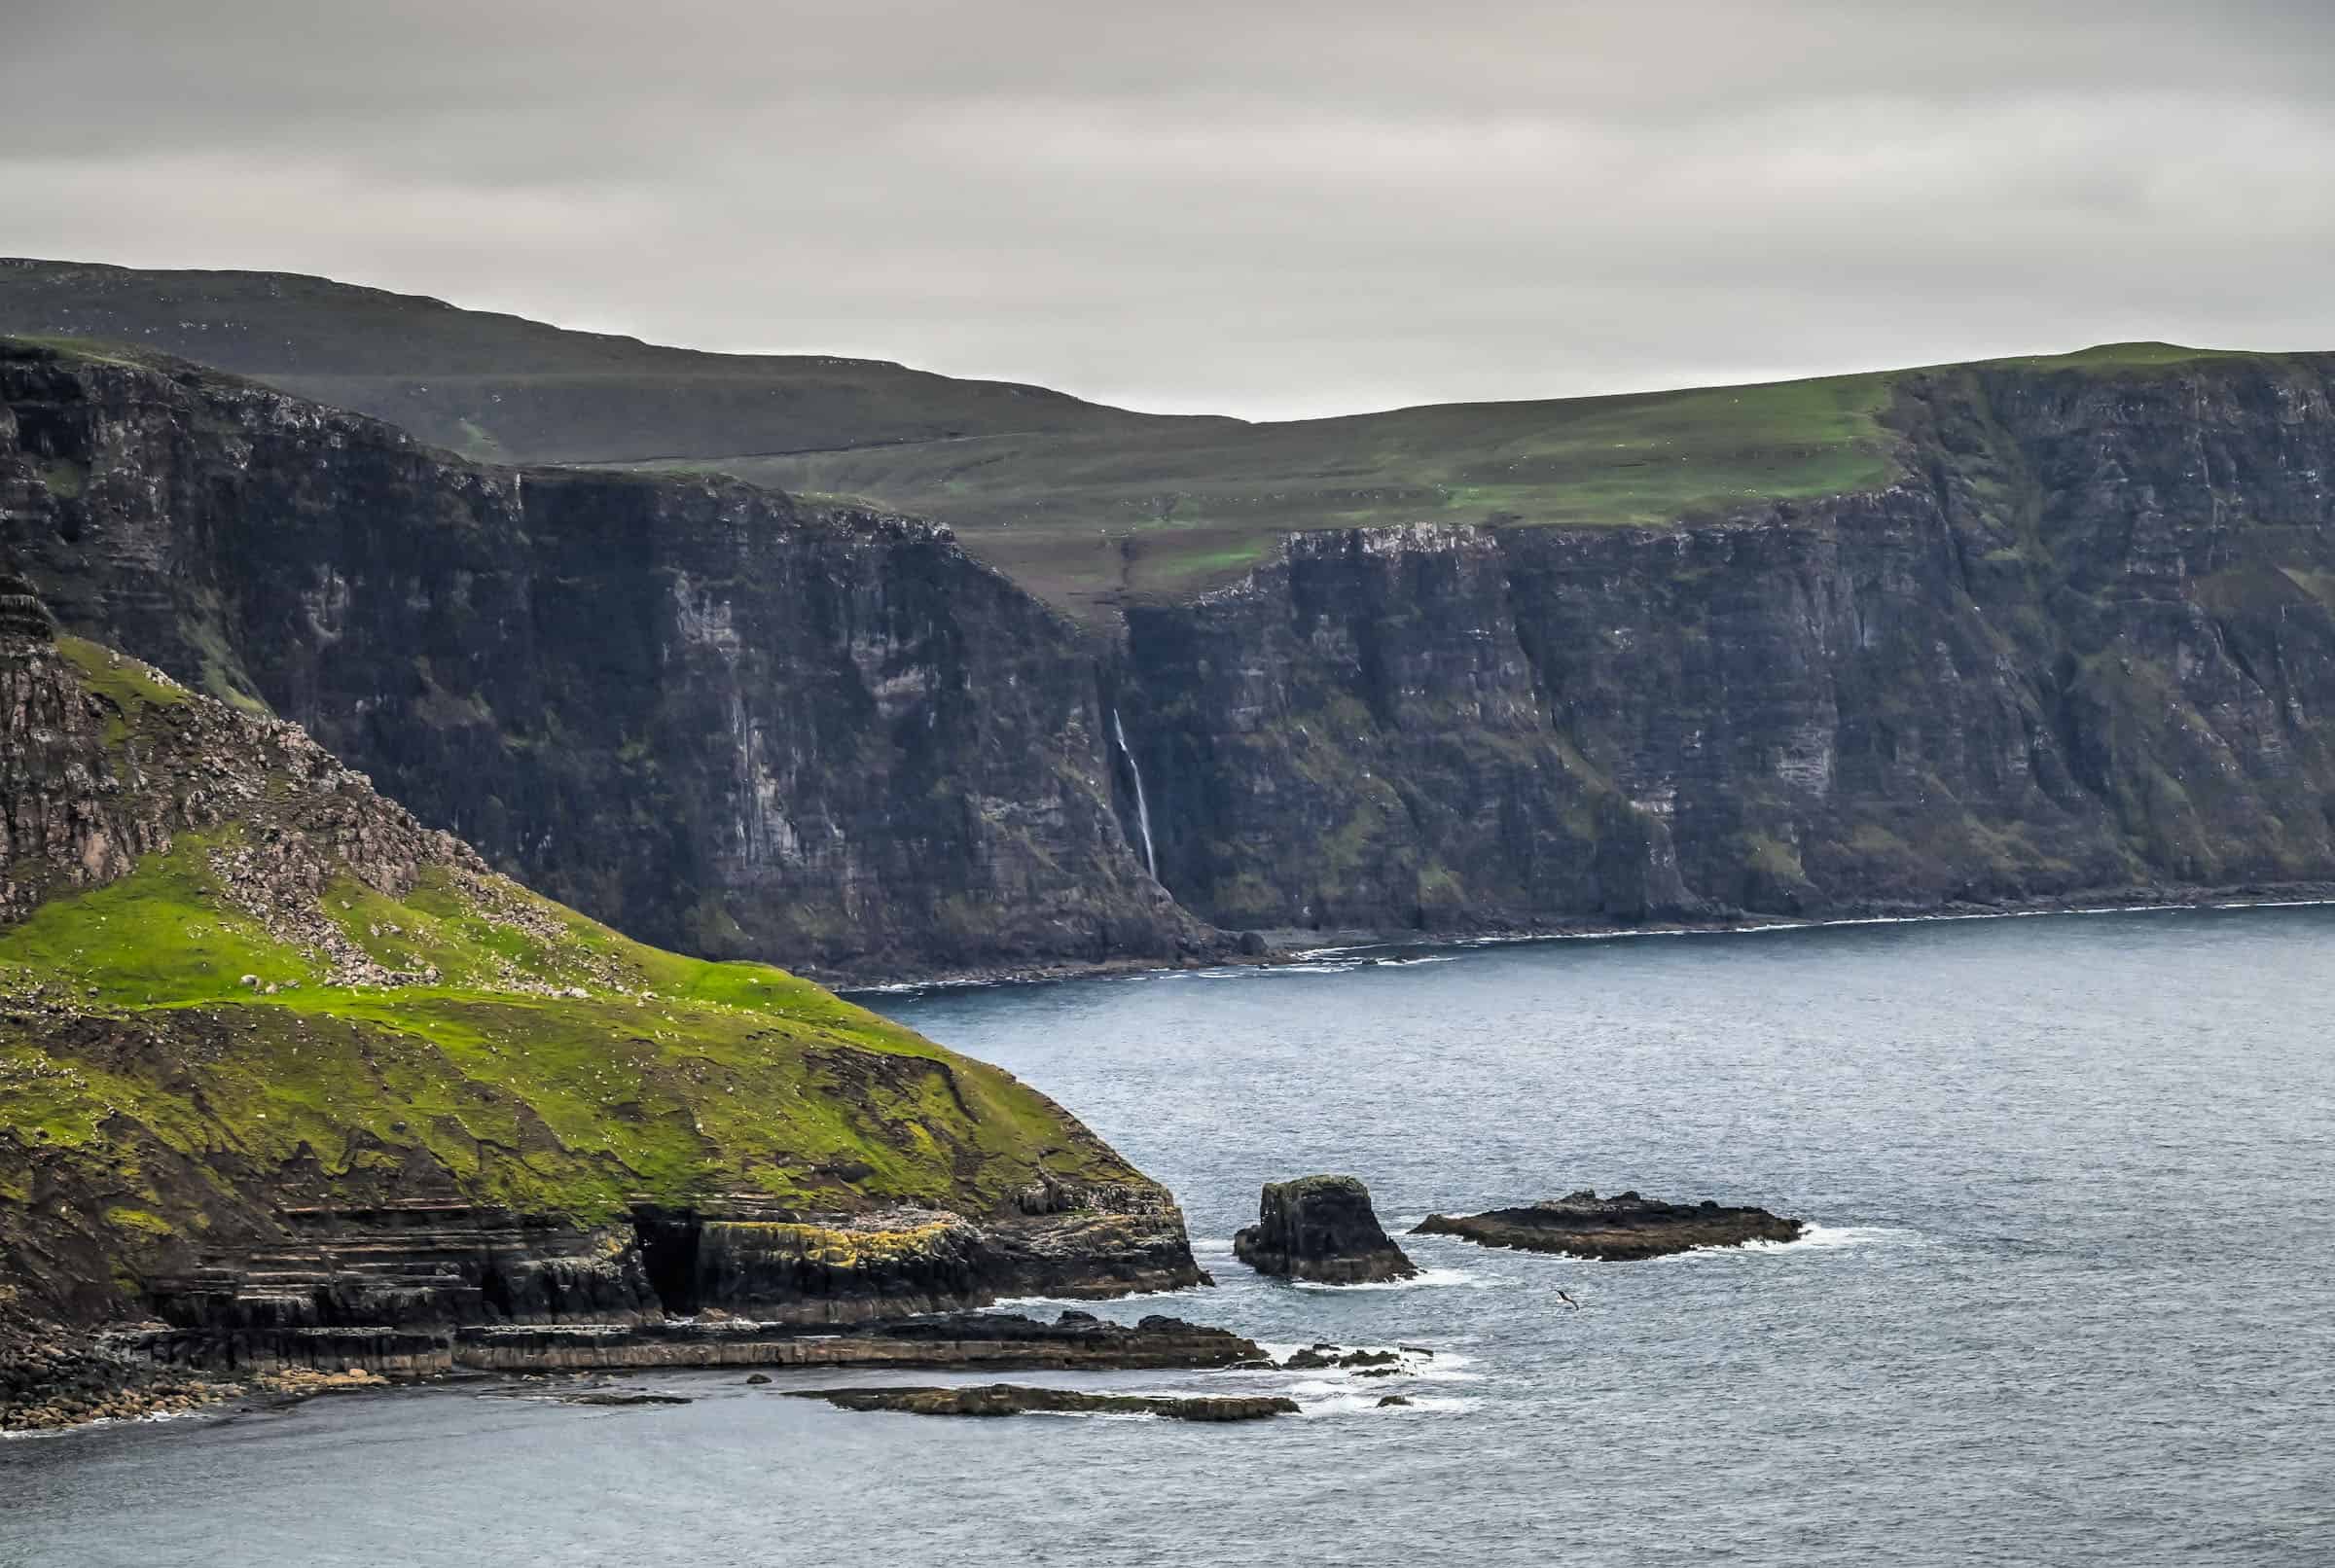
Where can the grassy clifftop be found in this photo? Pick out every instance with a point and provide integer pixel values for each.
(1093, 521)
(1091, 508)
(238, 980)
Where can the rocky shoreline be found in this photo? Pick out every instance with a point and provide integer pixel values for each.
(67, 1381)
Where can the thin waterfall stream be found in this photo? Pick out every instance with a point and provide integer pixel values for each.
(1151, 861)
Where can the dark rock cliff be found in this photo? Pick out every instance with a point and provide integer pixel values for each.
(2079, 650)
(727, 721)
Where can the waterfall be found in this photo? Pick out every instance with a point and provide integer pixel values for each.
(1151, 862)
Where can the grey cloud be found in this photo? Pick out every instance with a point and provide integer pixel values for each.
(1269, 210)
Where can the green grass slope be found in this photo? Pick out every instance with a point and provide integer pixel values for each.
(295, 993)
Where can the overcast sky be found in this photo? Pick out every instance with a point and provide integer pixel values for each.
(1249, 208)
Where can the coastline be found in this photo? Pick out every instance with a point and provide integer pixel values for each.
(1348, 943)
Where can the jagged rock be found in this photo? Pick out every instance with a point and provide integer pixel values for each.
(1617, 1228)
(1011, 1399)
(22, 614)
(1324, 1356)
(1320, 1228)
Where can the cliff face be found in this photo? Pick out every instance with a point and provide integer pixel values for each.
(2080, 647)
(2085, 646)
(727, 721)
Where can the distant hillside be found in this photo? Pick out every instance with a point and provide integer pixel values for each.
(1095, 509)
(510, 390)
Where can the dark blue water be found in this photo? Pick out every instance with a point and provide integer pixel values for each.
(2069, 1300)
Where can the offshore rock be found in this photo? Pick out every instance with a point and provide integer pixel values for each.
(1009, 1399)
(1320, 1228)
(1619, 1229)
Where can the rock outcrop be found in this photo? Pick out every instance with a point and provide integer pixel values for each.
(1620, 1228)
(1320, 1228)
(1012, 1399)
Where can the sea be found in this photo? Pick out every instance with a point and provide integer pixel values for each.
(2067, 1293)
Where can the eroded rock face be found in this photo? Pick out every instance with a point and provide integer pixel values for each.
(1320, 1228)
(1618, 1228)
(1010, 1399)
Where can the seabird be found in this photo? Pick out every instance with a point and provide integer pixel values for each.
(1568, 1301)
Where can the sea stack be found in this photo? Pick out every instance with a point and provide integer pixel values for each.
(1320, 1228)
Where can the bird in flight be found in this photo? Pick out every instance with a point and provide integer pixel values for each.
(1568, 1301)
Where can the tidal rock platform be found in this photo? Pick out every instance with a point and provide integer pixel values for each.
(1012, 1399)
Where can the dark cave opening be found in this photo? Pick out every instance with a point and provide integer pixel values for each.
(669, 1249)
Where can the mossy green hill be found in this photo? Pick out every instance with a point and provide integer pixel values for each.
(240, 984)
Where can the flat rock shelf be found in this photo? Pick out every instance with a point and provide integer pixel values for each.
(1014, 1398)
(1622, 1229)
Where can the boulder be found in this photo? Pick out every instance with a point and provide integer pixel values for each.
(1320, 1228)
